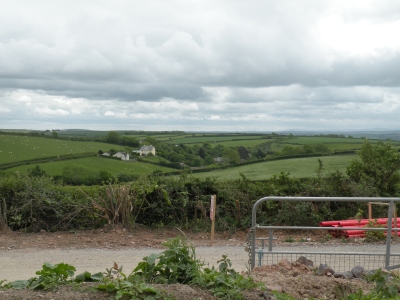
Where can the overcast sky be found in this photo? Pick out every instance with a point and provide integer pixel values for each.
(200, 65)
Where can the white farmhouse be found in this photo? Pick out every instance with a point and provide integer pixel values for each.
(145, 150)
(122, 155)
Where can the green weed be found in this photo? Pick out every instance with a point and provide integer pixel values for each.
(115, 281)
(327, 237)
(51, 276)
(289, 239)
(374, 235)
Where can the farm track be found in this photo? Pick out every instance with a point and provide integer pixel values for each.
(22, 254)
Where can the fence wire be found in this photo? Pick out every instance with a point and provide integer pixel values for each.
(337, 260)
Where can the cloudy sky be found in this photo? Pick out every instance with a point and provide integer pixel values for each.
(200, 65)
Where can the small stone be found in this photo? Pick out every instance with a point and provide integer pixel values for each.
(295, 274)
(324, 269)
(304, 261)
(286, 264)
(357, 271)
(276, 288)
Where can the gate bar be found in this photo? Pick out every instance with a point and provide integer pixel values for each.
(317, 199)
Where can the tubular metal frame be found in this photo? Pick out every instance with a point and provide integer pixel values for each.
(261, 253)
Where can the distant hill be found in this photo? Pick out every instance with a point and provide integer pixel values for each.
(380, 135)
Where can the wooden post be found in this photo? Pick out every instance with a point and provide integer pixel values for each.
(212, 215)
(394, 215)
(369, 210)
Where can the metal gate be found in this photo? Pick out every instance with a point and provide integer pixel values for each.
(339, 260)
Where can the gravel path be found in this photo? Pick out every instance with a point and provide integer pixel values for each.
(23, 263)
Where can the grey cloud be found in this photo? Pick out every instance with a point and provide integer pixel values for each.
(237, 61)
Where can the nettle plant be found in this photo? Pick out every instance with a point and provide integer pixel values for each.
(178, 264)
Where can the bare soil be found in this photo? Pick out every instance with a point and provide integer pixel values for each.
(289, 277)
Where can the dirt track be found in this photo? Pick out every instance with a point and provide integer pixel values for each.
(23, 263)
(22, 254)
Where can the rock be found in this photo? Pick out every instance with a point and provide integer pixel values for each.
(267, 296)
(345, 275)
(187, 289)
(276, 288)
(286, 264)
(357, 271)
(324, 269)
(295, 274)
(304, 261)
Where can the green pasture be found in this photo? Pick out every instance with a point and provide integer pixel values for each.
(311, 140)
(296, 167)
(96, 164)
(245, 143)
(17, 148)
(166, 138)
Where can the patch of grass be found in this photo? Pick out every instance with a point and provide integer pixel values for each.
(96, 164)
(18, 148)
(296, 167)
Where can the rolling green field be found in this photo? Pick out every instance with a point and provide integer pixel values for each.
(312, 140)
(112, 166)
(297, 167)
(14, 148)
(18, 148)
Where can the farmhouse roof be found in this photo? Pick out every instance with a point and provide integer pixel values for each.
(146, 148)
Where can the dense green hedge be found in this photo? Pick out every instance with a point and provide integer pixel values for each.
(34, 203)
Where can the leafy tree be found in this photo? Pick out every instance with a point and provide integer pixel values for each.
(113, 137)
(243, 152)
(104, 176)
(377, 167)
(260, 154)
(232, 155)
(289, 150)
(308, 149)
(129, 141)
(217, 150)
(36, 171)
(321, 148)
(54, 135)
(208, 160)
(202, 152)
